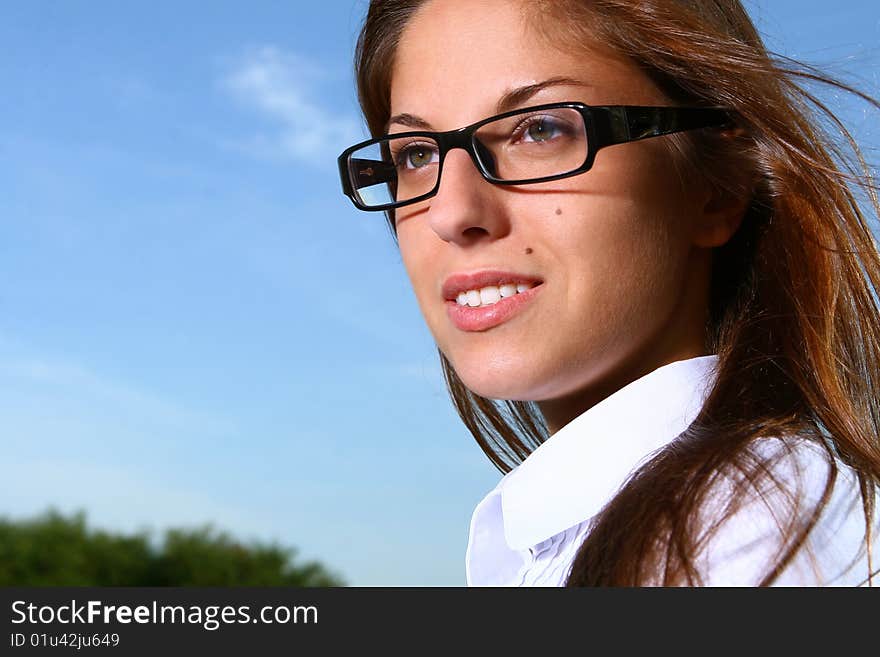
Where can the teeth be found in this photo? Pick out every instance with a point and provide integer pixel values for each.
(508, 290)
(490, 295)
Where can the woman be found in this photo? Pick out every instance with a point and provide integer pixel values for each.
(648, 280)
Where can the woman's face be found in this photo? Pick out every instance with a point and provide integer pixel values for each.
(614, 259)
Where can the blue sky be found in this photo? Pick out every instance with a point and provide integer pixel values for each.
(195, 325)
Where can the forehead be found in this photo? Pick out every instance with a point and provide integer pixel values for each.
(456, 58)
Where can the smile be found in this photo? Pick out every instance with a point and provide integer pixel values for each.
(491, 294)
(481, 300)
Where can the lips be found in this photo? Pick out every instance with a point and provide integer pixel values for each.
(483, 300)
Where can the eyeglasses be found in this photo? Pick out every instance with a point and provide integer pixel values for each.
(521, 147)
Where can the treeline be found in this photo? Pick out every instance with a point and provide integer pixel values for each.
(57, 550)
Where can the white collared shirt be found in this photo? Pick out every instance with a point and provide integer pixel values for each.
(527, 530)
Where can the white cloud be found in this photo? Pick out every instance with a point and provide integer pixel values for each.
(281, 85)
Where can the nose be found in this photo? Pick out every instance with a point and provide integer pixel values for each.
(466, 208)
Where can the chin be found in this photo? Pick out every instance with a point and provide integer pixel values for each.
(515, 378)
(493, 382)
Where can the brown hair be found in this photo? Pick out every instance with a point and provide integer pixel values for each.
(794, 312)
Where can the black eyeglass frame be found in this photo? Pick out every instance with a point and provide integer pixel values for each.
(605, 125)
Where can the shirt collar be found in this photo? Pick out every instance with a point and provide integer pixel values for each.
(575, 472)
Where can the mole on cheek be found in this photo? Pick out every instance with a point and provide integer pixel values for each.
(558, 211)
(528, 250)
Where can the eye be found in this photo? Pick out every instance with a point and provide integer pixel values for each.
(540, 129)
(416, 156)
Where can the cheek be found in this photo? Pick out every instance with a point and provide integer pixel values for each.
(634, 225)
(614, 241)
(624, 261)
(421, 259)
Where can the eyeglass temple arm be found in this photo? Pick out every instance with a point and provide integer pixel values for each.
(627, 124)
(365, 173)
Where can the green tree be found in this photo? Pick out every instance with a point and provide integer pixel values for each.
(54, 550)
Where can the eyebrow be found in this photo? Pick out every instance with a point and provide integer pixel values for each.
(510, 100)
